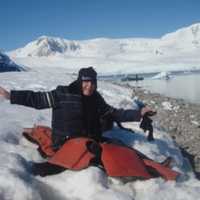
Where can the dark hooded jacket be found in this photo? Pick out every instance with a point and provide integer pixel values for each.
(73, 114)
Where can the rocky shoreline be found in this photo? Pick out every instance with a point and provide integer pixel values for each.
(180, 119)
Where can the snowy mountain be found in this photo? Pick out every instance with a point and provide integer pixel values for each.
(189, 35)
(46, 46)
(174, 51)
(6, 64)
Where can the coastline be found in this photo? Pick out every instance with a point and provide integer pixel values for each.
(179, 118)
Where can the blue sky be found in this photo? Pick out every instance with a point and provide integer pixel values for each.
(24, 20)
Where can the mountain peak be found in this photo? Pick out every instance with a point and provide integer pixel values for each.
(184, 40)
(48, 39)
(47, 46)
(189, 33)
(50, 45)
(195, 29)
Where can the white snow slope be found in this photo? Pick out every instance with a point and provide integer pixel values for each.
(174, 51)
(16, 183)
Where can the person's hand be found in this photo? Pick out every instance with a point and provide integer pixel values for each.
(4, 93)
(146, 123)
(147, 111)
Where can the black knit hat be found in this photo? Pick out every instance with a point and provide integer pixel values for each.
(87, 74)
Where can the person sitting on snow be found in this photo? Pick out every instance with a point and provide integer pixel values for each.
(78, 110)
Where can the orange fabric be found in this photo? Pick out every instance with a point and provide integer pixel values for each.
(165, 172)
(73, 154)
(122, 162)
(118, 161)
(42, 136)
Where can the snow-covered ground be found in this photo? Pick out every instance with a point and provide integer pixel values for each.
(16, 183)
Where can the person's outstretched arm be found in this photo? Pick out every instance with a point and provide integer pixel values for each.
(122, 115)
(38, 100)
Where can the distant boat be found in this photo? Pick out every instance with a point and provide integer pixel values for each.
(132, 78)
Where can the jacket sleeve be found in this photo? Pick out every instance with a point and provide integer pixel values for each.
(119, 115)
(128, 115)
(38, 100)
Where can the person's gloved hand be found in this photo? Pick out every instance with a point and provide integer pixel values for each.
(146, 124)
(146, 113)
(139, 105)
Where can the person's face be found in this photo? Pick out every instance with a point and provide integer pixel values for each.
(87, 88)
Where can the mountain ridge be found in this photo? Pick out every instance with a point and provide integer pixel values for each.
(178, 50)
(48, 46)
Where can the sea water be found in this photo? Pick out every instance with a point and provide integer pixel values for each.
(184, 86)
